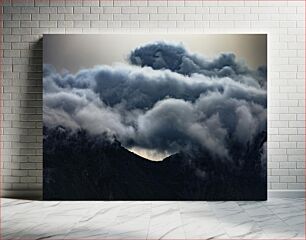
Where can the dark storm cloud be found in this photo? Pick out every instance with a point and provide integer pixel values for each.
(170, 102)
(175, 57)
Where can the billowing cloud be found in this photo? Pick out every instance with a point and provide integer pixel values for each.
(175, 57)
(168, 100)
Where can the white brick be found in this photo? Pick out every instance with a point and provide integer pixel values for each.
(148, 24)
(166, 9)
(140, 17)
(62, 10)
(177, 17)
(91, 16)
(47, 23)
(91, 3)
(288, 179)
(287, 165)
(296, 186)
(157, 3)
(297, 172)
(139, 3)
(279, 185)
(112, 9)
(147, 9)
(129, 10)
(185, 9)
(74, 16)
(96, 10)
(130, 24)
(81, 24)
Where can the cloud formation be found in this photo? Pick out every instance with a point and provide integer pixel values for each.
(166, 99)
(175, 57)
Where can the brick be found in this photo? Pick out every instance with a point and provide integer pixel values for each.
(186, 9)
(98, 24)
(112, 10)
(147, 9)
(41, 16)
(46, 24)
(140, 17)
(166, 10)
(157, 3)
(91, 3)
(62, 10)
(82, 24)
(49, 10)
(81, 9)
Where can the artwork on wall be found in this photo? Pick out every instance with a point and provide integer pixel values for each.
(155, 117)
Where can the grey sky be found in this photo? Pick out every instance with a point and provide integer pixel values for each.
(76, 51)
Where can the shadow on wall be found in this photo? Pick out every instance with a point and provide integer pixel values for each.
(30, 124)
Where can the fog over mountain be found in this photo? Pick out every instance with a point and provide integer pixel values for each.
(170, 101)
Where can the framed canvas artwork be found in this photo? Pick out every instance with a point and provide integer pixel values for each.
(155, 117)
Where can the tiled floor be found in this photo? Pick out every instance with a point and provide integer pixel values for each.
(273, 219)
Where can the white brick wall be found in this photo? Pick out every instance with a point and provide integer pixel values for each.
(24, 22)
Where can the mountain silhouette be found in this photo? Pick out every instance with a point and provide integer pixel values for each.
(79, 166)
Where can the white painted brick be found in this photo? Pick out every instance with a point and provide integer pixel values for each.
(221, 24)
(74, 3)
(166, 9)
(296, 172)
(130, 10)
(157, 3)
(167, 24)
(140, 17)
(280, 172)
(62, 10)
(112, 9)
(96, 9)
(48, 10)
(161, 17)
(177, 17)
(273, 179)
(231, 3)
(47, 24)
(288, 179)
(197, 3)
(287, 165)
(42, 16)
(74, 16)
(147, 9)
(296, 186)
(91, 3)
(186, 9)
(81, 24)
(196, 17)
(139, 3)
(217, 10)
(130, 24)
(21, 16)
(279, 186)
(148, 24)
(91, 16)
(122, 3)
(185, 24)
(121, 17)
(104, 17)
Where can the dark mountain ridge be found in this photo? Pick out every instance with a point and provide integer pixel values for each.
(79, 166)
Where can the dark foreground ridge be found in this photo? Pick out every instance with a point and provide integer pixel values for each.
(78, 166)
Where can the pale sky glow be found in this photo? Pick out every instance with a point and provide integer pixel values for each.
(76, 51)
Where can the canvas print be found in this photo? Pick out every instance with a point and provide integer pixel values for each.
(155, 117)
